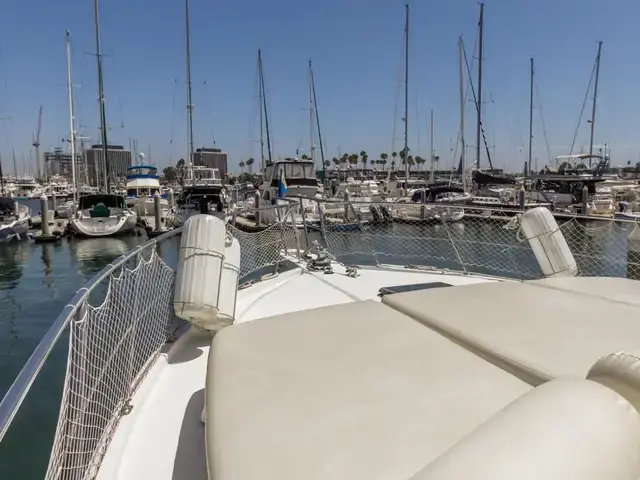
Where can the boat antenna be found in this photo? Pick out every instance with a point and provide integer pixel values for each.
(72, 129)
(103, 113)
(189, 102)
(315, 105)
(406, 95)
(530, 120)
(479, 99)
(595, 100)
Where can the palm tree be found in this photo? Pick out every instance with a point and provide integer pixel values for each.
(336, 161)
(304, 157)
(394, 155)
(353, 159)
(419, 160)
(241, 164)
(249, 163)
(344, 158)
(365, 158)
(410, 161)
(383, 157)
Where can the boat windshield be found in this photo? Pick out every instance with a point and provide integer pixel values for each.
(110, 201)
(295, 170)
(142, 171)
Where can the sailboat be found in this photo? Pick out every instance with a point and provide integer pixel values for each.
(106, 214)
(203, 190)
(68, 208)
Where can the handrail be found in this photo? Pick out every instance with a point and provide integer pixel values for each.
(10, 404)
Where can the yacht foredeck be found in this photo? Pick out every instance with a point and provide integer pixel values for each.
(163, 435)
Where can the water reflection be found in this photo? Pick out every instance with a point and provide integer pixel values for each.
(92, 254)
(10, 266)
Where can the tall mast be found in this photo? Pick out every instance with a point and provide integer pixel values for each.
(595, 99)
(103, 114)
(315, 105)
(462, 99)
(260, 101)
(266, 113)
(72, 128)
(479, 99)
(406, 94)
(530, 121)
(1, 179)
(432, 153)
(189, 102)
(15, 165)
(312, 146)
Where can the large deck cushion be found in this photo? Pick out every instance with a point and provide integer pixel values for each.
(537, 330)
(562, 430)
(350, 392)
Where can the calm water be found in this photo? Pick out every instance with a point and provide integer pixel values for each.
(37, 281)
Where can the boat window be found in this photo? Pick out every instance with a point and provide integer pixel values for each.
(132, 192)
(299, 170)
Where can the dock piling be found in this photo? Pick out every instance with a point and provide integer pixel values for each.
(44, 214)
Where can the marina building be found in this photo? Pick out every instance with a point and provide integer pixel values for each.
(211, 158)
(119, 161)
(58, 162)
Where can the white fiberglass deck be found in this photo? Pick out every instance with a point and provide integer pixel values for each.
(163, 436)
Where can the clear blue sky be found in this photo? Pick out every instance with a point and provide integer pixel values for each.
(356, 46)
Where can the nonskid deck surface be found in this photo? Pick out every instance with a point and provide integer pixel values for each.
(163, 436)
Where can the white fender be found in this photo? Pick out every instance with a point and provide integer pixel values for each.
(199, 271)
(548, 244)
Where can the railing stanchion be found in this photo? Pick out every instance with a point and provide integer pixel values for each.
(304, 226)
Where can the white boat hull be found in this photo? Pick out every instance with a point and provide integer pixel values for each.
(145, 207)
(104, 227)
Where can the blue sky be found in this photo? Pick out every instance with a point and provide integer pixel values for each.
(356, 47)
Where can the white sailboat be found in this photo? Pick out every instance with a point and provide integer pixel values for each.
(102, 215)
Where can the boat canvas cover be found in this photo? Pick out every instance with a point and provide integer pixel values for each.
(490, 179)
(110, 201)
(6, 204)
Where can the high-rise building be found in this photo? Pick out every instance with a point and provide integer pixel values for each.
(119, 161)
(211, 158)
(58, 162)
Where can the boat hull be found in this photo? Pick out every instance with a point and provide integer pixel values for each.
(16, 229)
(104, 227)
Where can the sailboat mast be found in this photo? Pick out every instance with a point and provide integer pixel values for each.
(462, 99)
(1, 178)
(72, 128)
(312, 146)
(406, 95)
(103, 114)
(189, 102)
(530, 120)
(266, 112)
(260, 102)
(479, 99)
(432, 152)
(595, 100)
(315, 105)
